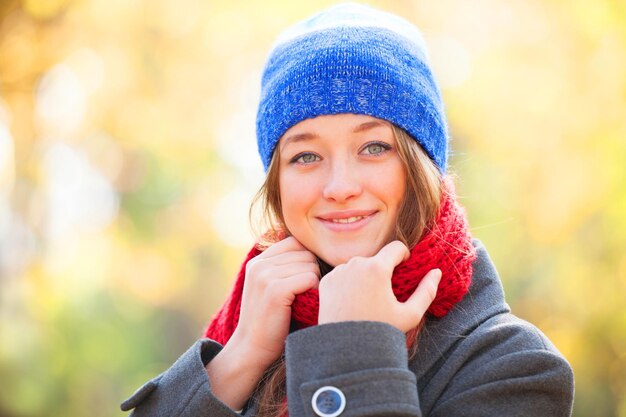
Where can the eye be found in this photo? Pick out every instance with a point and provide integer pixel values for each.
(376, 148)
(304, 158)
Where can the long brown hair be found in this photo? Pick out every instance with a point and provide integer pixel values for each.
(418, 212)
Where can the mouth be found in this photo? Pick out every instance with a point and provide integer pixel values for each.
(347, 221)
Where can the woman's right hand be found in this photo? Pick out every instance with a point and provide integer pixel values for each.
(273, 279)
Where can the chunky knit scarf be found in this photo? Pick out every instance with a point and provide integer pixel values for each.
(447, 246)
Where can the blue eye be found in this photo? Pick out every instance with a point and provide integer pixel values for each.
(376, 148)
(304, 158)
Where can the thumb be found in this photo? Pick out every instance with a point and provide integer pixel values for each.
(393, 253)
(424, 294)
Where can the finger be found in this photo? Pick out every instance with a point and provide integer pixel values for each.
(424, 294)
(393, 253)
(294, 257)
(288, 244)
(304, 282)
(289, 270)
(297, 284)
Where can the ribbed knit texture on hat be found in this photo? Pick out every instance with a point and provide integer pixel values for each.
(352, 59)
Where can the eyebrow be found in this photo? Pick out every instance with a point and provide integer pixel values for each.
(308, 136)
(367, 126)
(297, 138)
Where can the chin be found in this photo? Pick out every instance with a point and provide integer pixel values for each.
(337, 255)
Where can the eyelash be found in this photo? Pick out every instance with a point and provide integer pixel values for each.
(385, 147)
(295, 159)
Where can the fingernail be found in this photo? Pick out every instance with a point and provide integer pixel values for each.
(436, 273)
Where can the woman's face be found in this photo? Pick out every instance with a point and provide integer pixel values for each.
(341, 185)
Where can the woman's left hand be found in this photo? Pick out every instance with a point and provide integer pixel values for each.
(361, 290)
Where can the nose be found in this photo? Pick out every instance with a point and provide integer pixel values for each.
(342, 183)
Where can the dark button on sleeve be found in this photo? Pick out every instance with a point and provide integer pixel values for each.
(328, 402)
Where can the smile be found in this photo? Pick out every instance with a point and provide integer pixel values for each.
(348, 220)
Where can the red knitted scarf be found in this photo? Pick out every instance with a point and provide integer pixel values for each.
(447, 246)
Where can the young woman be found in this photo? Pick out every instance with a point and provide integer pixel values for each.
(367, 296)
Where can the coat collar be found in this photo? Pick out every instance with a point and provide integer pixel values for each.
(484, 300)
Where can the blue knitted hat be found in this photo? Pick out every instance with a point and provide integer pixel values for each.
(352, 58)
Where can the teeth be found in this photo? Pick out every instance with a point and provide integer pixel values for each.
(348, 220)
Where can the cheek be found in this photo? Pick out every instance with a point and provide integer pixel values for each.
(297, 197)
(397, 193)
(390, 186)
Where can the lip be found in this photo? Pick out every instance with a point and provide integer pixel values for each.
(327, 219)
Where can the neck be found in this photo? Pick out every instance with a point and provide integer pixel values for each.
(324, 267)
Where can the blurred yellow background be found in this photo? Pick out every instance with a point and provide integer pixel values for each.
(128, 161)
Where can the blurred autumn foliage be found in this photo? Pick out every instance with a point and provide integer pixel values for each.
(128, 161)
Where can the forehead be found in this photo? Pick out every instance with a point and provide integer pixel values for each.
(332, 125)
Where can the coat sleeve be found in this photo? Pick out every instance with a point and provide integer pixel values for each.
(350, 369)
(184, 390)
(506, 367)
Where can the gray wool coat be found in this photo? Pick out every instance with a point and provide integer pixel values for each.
(478, 360)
